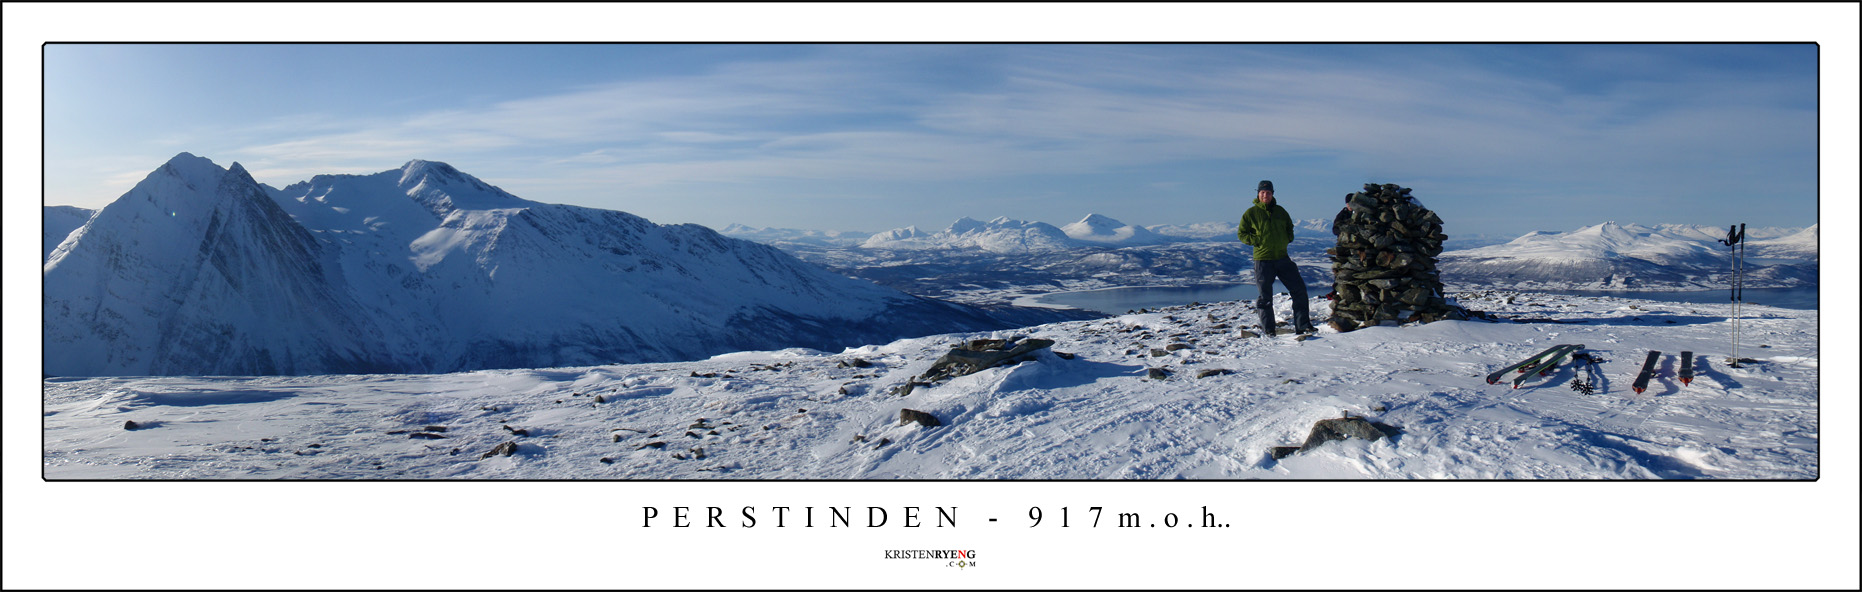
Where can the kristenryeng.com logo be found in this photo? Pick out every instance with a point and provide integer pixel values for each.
(950, 557)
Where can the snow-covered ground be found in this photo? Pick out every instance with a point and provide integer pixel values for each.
(809, 415)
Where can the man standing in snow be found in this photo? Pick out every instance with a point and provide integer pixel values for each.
(1269, 229)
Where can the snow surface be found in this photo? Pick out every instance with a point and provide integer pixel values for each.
(804, 414)
(59, 221)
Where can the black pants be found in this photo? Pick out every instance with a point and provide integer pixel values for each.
(1265, 272)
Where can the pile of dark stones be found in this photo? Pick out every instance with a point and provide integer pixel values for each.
(1385, 261)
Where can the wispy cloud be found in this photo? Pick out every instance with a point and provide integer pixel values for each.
(891, 120)
(1063, 110)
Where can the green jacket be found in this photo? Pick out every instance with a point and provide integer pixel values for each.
(1268, 229)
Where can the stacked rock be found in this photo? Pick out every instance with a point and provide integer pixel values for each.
(1385, 261)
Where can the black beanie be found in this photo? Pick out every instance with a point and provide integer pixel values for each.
(1265, 186)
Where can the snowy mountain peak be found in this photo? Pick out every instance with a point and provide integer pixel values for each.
(964, 225)
(192, 184)
(1095, 228)
(188, 170)
(418, 168)
(444, 189)
(1609, 233)
(238, 173)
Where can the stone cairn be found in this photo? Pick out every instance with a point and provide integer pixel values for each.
(1385, 262)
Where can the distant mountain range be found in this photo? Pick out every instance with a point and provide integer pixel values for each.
(1007, 235)
(201, 270)
(970, 259)
(1610, 256)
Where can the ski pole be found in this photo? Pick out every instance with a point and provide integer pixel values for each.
(1735, 243)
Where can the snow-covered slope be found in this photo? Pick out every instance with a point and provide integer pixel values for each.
(59, 221)
(199, 270)
(1222, 404)
(1798, 245)
(1098, 229)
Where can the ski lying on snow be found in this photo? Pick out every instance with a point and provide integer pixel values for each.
(1687, 367)
(1558, 355)
(1648, 371)
(1495, 377)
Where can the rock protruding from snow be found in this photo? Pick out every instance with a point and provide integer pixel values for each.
(907, 416)
(1384, 263)
(505, 449)
(1343, 428)
(976, 357)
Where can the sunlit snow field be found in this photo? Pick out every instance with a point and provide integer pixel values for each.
(810, 415)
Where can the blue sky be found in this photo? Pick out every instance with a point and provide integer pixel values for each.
(1499, 139)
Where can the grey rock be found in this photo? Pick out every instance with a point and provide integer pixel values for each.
(1327, 430)
(963, 361)
(912, 415)
(505, 449)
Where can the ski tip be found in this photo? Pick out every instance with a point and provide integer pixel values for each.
(1687, 381)
(1638, 391)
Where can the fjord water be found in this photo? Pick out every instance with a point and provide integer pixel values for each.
(1120, 300)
